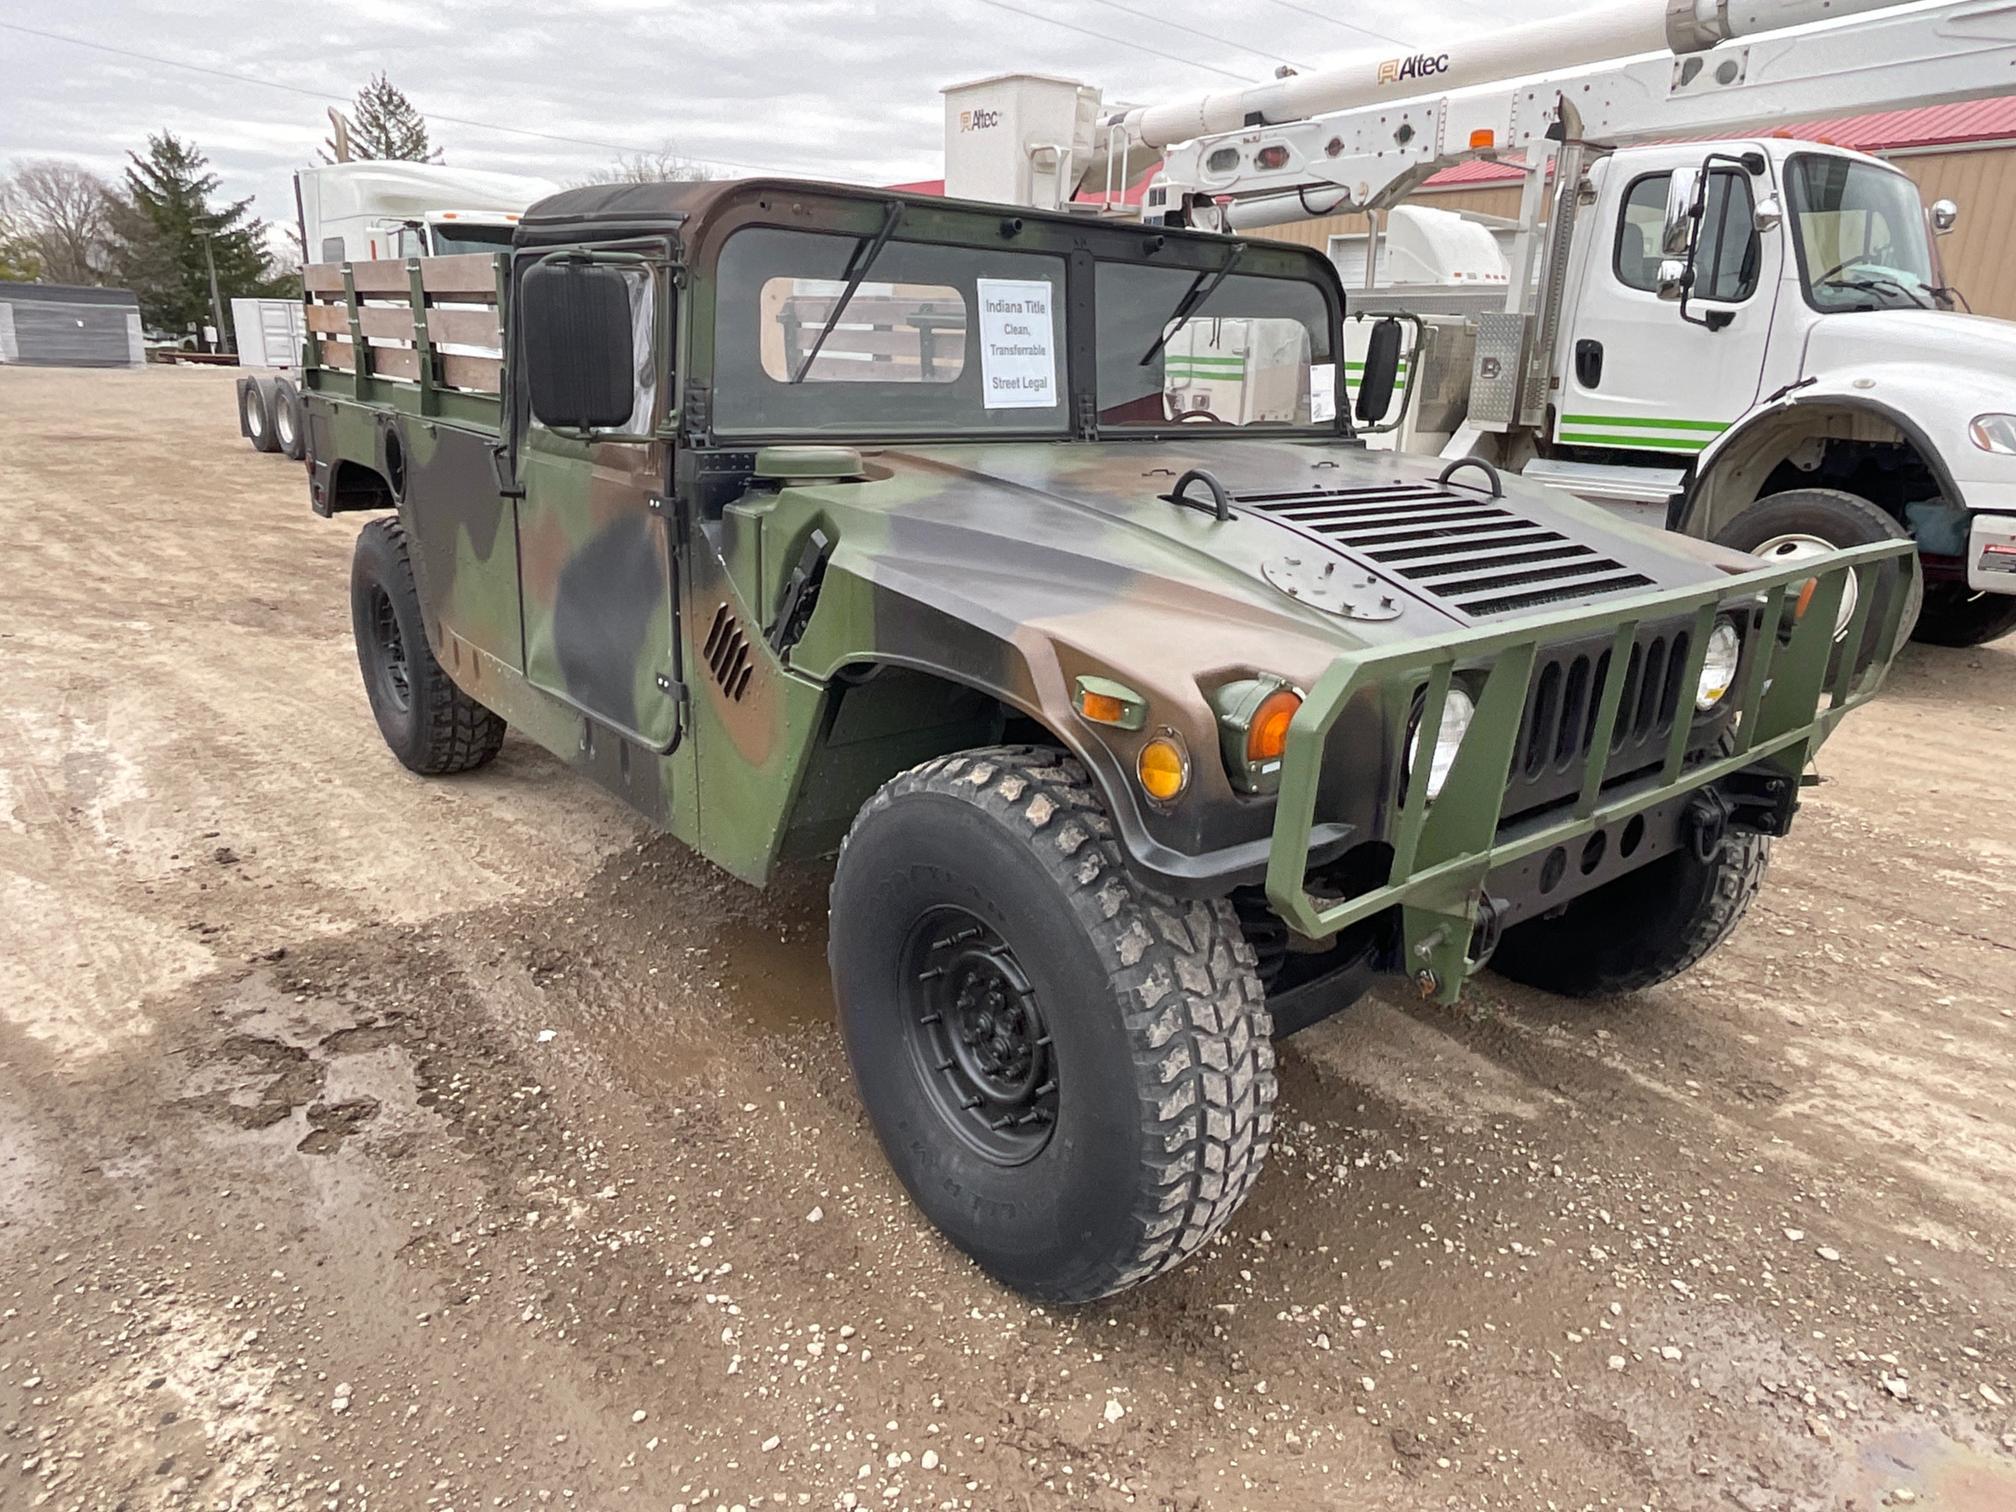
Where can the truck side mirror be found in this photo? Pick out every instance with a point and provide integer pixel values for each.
(579, 357)
(1945, 216)
(1380, 373)
(1672, 279)
(1769, 216)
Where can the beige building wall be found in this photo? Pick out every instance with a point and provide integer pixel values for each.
(1980, 255)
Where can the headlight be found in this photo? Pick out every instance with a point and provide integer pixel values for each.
(1994, 433)
(1457, 713)
(1718, 668)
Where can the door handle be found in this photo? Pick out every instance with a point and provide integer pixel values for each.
(1588, 363)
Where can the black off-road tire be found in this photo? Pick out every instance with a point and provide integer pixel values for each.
(1839, 518)
(285, 406)
(1646, 927)
(255, 414)
(432, 726)
(1156, 1028)
(1955, 615)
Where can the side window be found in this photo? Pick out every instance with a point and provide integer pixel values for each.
(332, 249)
(1725, 266)
(1638, 232)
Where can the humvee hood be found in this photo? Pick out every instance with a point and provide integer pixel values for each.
(1398, 553)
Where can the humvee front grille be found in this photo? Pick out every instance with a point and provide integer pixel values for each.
(1479, 555)
(1560, 719)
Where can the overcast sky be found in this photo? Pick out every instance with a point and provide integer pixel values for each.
(819, 87)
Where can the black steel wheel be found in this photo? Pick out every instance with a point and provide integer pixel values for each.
(432, 726)
(978, 1037)
(387, 663)
(1070, 1073)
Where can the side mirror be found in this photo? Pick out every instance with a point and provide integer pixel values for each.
(579, 357)
(1770, 214)
(1380, 373)
(1673, 279)
(1945, 216)
(1676, 235)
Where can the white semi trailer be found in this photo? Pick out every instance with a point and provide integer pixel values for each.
(365, 212)
(1750, 334)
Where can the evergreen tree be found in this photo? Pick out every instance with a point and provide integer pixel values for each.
(162, 224)
(384, 126)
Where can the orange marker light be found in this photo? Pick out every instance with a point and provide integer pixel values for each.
(1102, 708)
(1163, 769)
(1483, 139)
(1267, 735)
(1805, 598)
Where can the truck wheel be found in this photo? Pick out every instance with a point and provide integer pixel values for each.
(432, 726)
(1070, 1073)
(1955, 615)
(1642, 929)
(286, 415)
(255, 414)
(1810, 522)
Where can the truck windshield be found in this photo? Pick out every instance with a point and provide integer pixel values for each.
(1861, 235)
(1211, 348)
(942, 340)
(452, 237)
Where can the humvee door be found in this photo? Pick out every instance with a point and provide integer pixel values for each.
(595, 549)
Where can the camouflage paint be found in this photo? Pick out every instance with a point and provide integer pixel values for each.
(976, 580)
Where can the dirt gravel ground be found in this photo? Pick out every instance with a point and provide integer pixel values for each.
(371, 1143)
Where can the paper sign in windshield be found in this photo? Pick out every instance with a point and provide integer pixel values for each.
(1018, 351)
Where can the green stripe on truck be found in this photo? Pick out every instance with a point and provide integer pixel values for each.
(1633, 422)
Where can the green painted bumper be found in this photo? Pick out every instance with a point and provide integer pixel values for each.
(1787, 701)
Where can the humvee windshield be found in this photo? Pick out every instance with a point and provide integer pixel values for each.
(945, 339)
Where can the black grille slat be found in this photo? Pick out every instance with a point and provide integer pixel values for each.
(1620, 580)
(1479, 554)
(1437, 549)
(1333, 517)
(1437, 567)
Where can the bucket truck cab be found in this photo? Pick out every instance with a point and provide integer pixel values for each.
(1765, 320)
(1751, 330)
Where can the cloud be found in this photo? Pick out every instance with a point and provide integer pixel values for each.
(824, 88)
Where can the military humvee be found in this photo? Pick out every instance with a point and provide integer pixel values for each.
(1030, 563)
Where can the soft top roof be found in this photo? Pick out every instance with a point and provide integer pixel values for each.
(600, 209)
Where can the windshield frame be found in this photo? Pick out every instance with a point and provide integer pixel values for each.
(1794, 189)
(1081, 242)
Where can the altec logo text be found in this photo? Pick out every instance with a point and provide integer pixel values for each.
(979, 120)
(1420, 66)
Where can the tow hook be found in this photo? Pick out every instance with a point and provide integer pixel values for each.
(1488, 930)
(1705, 824)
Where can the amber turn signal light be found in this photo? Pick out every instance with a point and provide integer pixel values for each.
(1163, 768)
(1267, 735)
(1253, 719)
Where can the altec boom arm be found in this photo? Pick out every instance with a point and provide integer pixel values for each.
(1365, 133)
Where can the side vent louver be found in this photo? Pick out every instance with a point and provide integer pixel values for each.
(727, 654)
(1476, 553)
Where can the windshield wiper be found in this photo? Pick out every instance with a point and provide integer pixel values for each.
(1876, 285)
(1195, 295)
(865, 253)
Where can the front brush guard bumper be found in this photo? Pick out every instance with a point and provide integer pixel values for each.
(1791, 690)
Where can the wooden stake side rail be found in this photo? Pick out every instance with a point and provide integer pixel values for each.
(401, 313)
